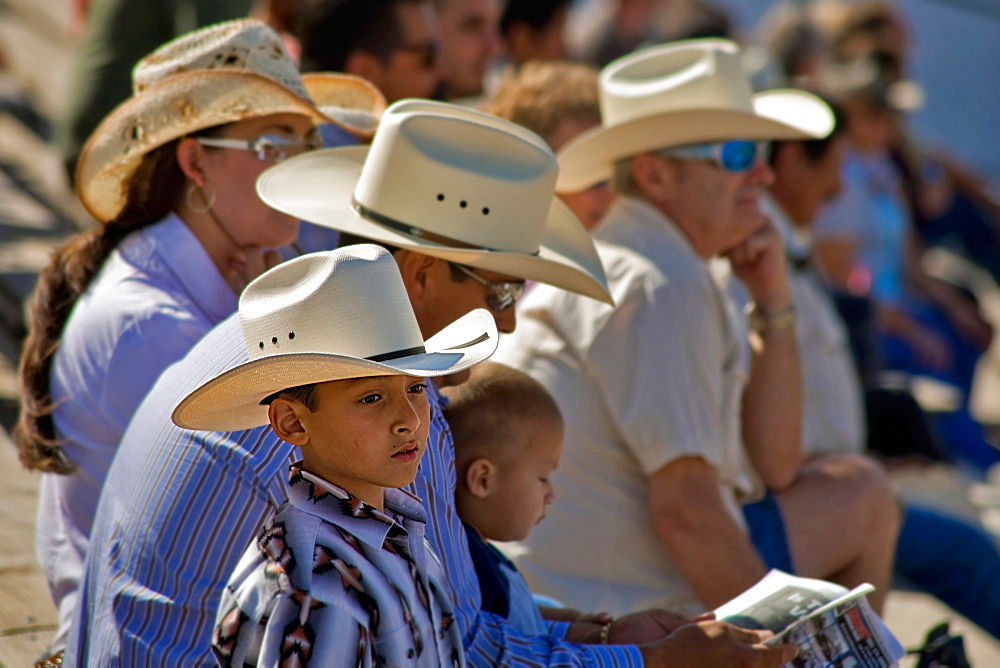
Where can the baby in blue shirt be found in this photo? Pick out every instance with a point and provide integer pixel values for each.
(508, 434)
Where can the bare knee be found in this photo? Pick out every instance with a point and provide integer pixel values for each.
(863, 485)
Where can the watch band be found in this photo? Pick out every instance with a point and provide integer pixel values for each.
(606, 632)
(763, 324)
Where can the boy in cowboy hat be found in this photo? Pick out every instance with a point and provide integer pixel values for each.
(466, 200)
(665, 403)
(340, 574)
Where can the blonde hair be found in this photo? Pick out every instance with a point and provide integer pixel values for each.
(542, 95)
(483, 411)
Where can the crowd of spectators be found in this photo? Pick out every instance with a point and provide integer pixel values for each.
(703, 252)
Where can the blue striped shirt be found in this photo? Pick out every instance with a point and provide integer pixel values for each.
(179, 507)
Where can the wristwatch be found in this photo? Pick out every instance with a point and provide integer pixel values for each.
(762, 323)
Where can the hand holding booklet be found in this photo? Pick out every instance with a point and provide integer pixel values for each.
(832, 626)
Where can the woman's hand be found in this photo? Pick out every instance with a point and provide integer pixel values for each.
(247, 263)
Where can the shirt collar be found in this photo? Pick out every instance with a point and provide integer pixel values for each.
(321, 498)
(635, 223)
(434, 396)
(796, 243)
(183, 254)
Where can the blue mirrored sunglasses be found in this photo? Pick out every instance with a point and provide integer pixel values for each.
(734, 156)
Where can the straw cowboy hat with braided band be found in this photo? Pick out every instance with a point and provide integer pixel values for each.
(448, 182)
(220, 74)
(688, 92)
(329, 316)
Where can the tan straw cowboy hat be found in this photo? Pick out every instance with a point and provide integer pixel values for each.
(686, 92)
(329, 316)
(220, 74)
(449, 182)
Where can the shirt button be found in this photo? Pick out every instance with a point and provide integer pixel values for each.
(410, 653)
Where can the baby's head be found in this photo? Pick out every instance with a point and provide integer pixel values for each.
(361, 434)
(508, 434)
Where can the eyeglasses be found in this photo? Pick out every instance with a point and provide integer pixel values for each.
(733, 156)
(502, 295)
(427, 52)
(272, 148)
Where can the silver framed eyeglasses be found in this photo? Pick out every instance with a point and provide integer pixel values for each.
(502, 295)
(272, 148)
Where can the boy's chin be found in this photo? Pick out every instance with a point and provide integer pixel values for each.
(402, 480)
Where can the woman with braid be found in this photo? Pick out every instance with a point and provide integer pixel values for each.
(170, 176)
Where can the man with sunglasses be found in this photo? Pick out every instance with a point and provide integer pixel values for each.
(676, 414)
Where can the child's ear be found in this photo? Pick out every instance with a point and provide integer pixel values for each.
(284, 416)
(480, 477)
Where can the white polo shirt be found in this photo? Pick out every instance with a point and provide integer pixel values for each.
(655, 378)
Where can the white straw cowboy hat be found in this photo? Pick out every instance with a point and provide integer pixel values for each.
(220, 74)
(329, 316)
(685, 92)
(449, 182)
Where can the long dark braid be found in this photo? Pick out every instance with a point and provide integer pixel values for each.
(153, 191)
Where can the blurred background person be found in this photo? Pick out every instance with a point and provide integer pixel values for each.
(558, 101)
(395, 44)
(534, 30)
(953, 208)
(470, 46)
(867, 244)
(841, 417)
(693, 19)
(118, 33)
(620, 27)
(793, 45)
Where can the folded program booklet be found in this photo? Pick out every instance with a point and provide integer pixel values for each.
(832, 626)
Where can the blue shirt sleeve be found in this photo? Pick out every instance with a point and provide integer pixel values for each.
(488, 638)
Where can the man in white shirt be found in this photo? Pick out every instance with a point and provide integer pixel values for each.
(673, 420)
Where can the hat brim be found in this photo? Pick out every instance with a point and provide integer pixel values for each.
(317, 187)
(349, 101)
(231, 401)
(778, 114)
(182, 104)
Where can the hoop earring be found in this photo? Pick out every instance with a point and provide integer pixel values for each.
(207, 200)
